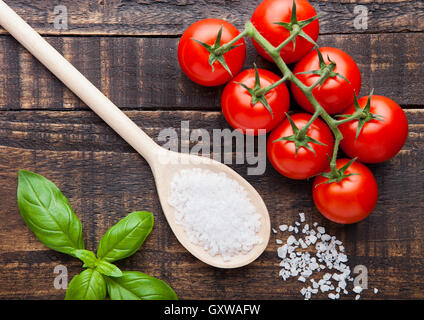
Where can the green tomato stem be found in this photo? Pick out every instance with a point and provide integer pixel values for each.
(355, 116)
(293, 35)
(323, 76)
(263, 91)
(302, 132)
(274, 52)
(338, 138)
(228, 45)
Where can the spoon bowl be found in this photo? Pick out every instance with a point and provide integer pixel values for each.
(164, 174)
(137, 138)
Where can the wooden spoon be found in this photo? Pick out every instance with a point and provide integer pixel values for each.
(155, 155)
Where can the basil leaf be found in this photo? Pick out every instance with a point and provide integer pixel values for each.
(125, 237)
(134, 285)
(108, 269)
(88, 285)
(47, 212)
(88, 257)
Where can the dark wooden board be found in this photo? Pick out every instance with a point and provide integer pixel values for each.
(143, 73)
(172, 17)
(105, 180)
(127, 48)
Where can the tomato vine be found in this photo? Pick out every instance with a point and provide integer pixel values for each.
(295, 28)
(325, 82)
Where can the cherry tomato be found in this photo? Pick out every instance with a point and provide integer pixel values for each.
(194, 58)
(282, 154)
(350, 200)
(335, 94)
(379, 140)
(237, 105)
(271, 11)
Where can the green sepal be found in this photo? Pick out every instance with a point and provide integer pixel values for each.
(304, 23)
(325, 71)
(253, 92)
(307, 37)
(339, 174)
(214, 56)
(263, 100)
(305, 142)
(365, 114)
(300, 24)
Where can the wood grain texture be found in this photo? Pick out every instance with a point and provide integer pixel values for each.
(143, 73)
(105, 180)
(172, 17)
(128, 48)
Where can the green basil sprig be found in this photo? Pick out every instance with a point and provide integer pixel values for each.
(108, 269)
(49, 215)
(86, 256)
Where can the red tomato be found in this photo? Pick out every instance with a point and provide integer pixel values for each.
(335, 94)
(194, 58)
(350, 200)
(271, 11)
(379, 140)
(305, 164)
(237, 105)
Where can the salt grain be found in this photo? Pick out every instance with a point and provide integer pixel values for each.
(329, 255)
(333, 296)
(215, 212)
(321, 230)
(283, 227)
(357, 289)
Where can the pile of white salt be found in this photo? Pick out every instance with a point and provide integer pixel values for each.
(215, 211)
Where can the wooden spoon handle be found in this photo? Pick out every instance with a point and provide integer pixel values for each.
(77, 83)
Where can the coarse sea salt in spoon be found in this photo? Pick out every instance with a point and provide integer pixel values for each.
(164, 164)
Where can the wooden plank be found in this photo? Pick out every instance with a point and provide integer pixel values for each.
(170, 18)
(143, 73)
(104, 180)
